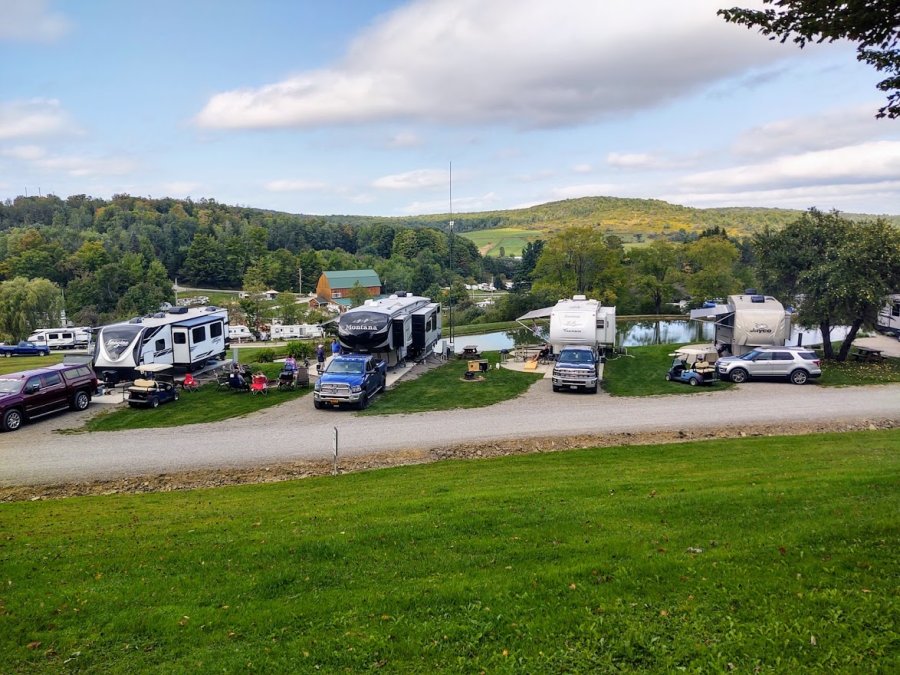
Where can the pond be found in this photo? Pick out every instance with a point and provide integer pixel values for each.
(628, 334)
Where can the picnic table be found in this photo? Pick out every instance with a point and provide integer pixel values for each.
(867, 354)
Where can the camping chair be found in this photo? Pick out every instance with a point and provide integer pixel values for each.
(189, 383)
(259, 384)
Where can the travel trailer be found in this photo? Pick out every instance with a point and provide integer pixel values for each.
(889, 316)
(61, 338)
(307, 331)
(182, 337)
(747, 321)
(580, 321)
(239, 333)
(399, 326)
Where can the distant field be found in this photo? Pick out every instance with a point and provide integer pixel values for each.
(511, 240)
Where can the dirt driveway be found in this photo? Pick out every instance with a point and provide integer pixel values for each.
(293, 439)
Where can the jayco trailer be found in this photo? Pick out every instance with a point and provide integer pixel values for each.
(747, 321)
(182, 337)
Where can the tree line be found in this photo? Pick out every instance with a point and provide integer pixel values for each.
(108, 260)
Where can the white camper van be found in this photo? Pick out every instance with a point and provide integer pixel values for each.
(182, 337)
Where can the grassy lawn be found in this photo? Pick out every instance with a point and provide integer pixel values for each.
(444, 388)
(512, 240)
(15, 364)
(208, 404)
(643, 373)
(757, 554)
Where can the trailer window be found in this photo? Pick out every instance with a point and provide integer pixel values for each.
(159, 345)
(215, 330)
(198, 334)
(895, 310)
(179, 338)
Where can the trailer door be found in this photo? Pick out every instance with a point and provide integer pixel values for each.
(181, 350)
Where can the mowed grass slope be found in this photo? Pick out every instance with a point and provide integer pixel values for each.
(512, 240)
(762, 554)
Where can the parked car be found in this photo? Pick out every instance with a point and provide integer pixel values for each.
(24, 348)
(153, 388)
(34, 393)
(797, 364)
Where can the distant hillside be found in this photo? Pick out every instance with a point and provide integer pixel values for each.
(624, 217)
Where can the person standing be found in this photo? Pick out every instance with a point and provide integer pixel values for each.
(320, 357)
(335, 347)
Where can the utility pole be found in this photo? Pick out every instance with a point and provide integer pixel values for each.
(300, 281)
(452, 350)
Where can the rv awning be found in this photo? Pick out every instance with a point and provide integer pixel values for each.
(710, 313)
(543, 313)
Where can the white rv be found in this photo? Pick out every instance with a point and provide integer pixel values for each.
(889, 316)
(61, 338)
(747, 321)
(580, 321)
(182, 337)
(308, 331)
(239, 333)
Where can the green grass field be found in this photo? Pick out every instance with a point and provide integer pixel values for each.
(754, 555)
(512, 240)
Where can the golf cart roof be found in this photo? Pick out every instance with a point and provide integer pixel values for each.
(153, 367)
(690, 350)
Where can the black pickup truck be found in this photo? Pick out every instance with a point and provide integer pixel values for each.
(34, 393)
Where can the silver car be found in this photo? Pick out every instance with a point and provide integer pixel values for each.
(798, 364)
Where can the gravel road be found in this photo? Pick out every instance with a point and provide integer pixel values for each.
(38, 454)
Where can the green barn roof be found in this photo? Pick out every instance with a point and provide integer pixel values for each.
(348, 278)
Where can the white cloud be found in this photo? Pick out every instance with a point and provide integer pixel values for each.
(73, 165)
(831, 129)
(30, 21)
(865, 162)
(484, 202)
(34, 118)
(523, 63)
(858, 197)
(582, 168)
(413, 180)
(294, 185)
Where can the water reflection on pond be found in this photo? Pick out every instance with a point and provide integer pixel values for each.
(629, 334)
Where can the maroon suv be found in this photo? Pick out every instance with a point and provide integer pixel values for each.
(35, 393)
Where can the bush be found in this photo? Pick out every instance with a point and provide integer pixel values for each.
(300, 349)
(265, 356)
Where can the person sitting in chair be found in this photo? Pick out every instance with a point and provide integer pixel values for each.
(544, 354)
(290, 364)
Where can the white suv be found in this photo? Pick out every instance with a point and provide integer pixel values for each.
(798, 364)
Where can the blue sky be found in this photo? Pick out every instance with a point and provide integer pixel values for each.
(361, 106)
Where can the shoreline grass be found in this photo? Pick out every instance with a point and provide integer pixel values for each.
(758, 554)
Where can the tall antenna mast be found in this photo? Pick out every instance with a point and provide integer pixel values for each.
(452, 350)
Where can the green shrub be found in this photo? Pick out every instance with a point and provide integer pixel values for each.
(265, 355)
(300, 349)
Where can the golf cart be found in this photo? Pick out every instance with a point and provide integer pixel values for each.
(694, 365)
(153, 387)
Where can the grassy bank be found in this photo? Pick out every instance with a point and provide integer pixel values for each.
(642, 372)
(209, 403)
(445, 388)
(764, 554)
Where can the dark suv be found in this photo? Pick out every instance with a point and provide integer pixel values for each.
(35, 393)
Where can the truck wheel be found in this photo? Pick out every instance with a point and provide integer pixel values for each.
(555, 388)
(593, 390)
(318, 405)
(738, 375)
(12, 420)
(81, 400)
(364, 402)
